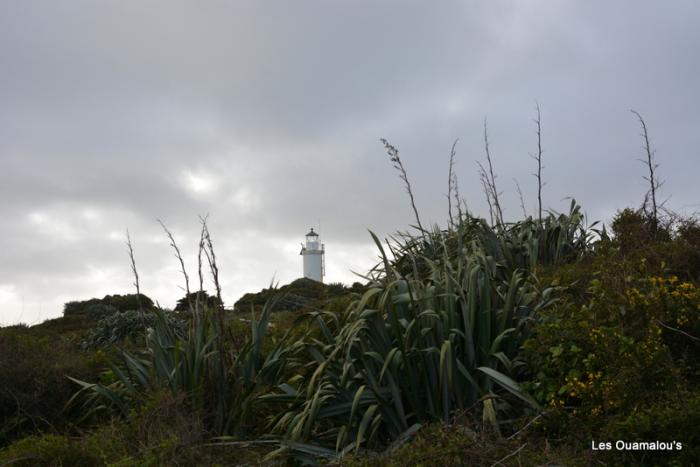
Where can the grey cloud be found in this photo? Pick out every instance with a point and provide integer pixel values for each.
(267, 116)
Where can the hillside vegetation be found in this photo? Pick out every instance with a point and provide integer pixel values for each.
(481, 343)
(471, 341)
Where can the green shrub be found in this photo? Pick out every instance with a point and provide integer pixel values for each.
(119, 302)
(461, 444)
(34, 388)
(298, 295)
(196, 362)
(48, 450)
(673, 306)
(164, 430)
(100, 311)
(205, 300)
(128, 324)
(601, 358)
(673, 416)
(672, 247)
(632, 228)
(440, 330)
(685, 257)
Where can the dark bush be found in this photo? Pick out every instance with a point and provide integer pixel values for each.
(164, 431)
(49, 450)
(34, 388)
(671, 417)
(188, 301)
(298, 294)
(99, 306)
(129, 324)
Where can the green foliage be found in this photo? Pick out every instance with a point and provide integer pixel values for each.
(670, 247)
(632, 228)
(162, 431)
(686, 252)
(188, 302)
(33, 389)
(298, 295)
(673, 417)
(97, 308)
(116, 327)
(559, 239)
(624, 336)
(595, 370)
(459, 444)
(217, 382)
(440, 330)
(70, 327)
(460, 336)
(48, 450)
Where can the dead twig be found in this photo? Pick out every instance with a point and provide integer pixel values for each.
(197, 305)
(488, 179)
(670, 328)
(527, 425)
(178, 255)
(500, 462)
(483, 177)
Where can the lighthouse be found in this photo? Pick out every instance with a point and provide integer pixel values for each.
(313, 253)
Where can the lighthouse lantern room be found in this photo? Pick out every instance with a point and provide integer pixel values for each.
(313, 253)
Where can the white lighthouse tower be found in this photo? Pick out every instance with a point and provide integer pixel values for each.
(313, 253)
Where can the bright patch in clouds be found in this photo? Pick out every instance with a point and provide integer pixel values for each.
(200, 183)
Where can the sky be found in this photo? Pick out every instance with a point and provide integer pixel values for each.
(266, 115)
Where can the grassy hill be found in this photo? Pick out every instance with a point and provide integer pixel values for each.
(520, 344)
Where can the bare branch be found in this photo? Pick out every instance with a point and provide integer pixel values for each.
(491, 178)
(178, 256)
(654, 184)
(483, 177)
(538, 122)
(199, 264)
(211, 259)
(670, 328)
(500, 462)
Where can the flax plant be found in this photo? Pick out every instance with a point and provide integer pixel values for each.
(439, 331)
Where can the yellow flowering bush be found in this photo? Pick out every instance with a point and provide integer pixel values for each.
(620, 347)
(673, 306)
(671, 302)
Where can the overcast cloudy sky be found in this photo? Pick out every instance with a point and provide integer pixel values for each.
(267, 115)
